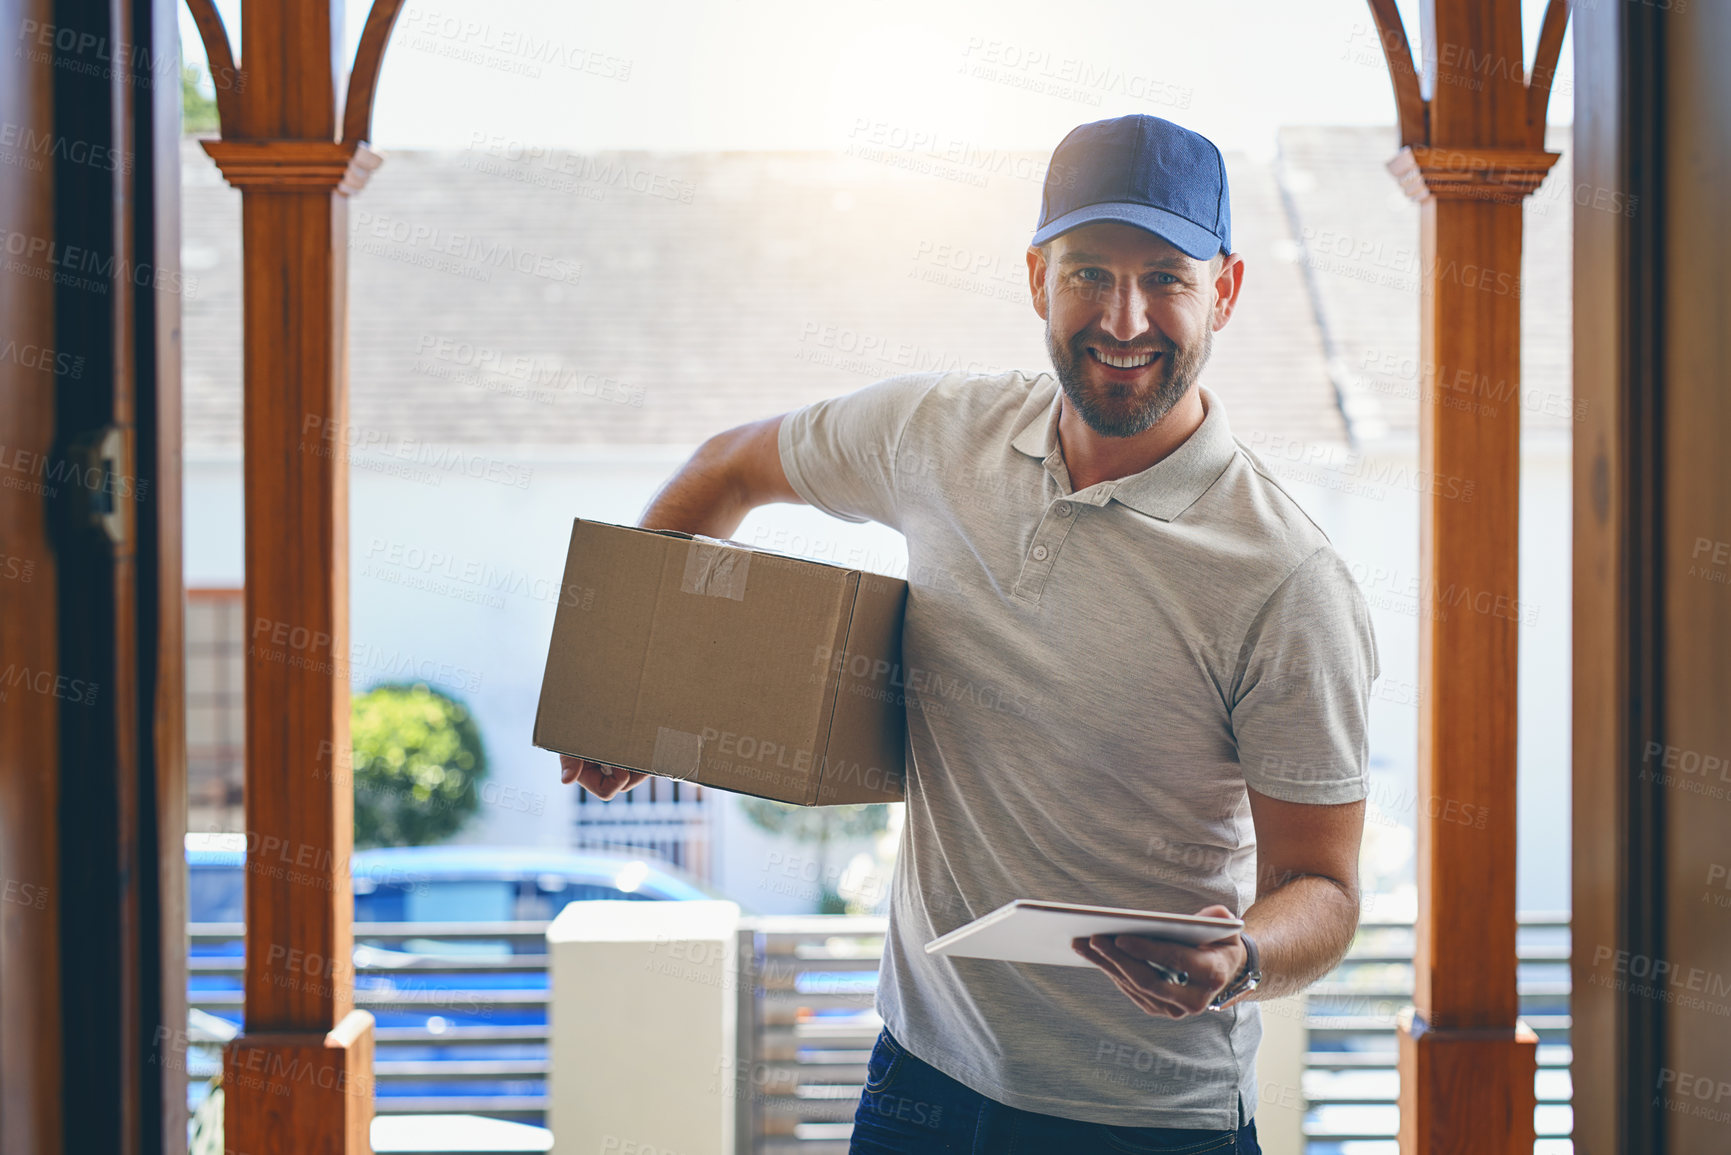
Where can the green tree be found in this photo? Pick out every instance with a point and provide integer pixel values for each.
(418, 763)
(197, 111)
(821, 825)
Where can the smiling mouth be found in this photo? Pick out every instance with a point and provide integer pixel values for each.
(1136, 360)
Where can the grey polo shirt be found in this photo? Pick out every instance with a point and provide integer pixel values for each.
(1092, 679)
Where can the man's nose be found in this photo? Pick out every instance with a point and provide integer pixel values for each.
(1125, 316)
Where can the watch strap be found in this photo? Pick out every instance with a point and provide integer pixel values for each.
(1248, 976)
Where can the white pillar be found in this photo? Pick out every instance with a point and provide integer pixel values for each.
(641, 1031)
(1280, 1106)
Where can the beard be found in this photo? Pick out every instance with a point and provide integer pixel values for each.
(1114, 410)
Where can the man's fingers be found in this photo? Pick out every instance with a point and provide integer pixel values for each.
(1125, 960)
(1148, 950)
(1135, 971)
(1218, 911)
(572, 769)
(1210, 966)
(591, 779)
(1136, 979)
(603, 781)
(1138, 973)
(592, 776)
(1149, 1003)
(599, 779)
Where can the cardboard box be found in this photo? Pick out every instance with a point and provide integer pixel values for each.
(712, 662)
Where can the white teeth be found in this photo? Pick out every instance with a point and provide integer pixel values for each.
(1124, 362)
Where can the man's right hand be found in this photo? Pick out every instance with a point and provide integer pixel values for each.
(602, 781)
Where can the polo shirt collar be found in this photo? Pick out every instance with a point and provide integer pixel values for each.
(1169, 486)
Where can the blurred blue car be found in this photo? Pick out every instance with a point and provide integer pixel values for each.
(439, 986)
(469, 884)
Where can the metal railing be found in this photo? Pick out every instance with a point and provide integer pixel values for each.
(1350, 1083)
(457, 1033)
(467, 1033)
(807, 985)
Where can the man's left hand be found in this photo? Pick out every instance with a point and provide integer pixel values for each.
(1125, 959)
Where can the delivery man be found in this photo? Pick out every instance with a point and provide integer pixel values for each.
(1154, 672)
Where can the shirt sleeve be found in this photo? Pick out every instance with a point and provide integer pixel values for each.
(839, 454)
(1302, 702)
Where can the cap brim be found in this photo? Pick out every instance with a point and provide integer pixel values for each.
(1189, 236)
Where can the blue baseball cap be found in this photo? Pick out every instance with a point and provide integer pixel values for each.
(1143, 171)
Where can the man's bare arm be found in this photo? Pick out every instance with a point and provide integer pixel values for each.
(1307, 898)
(1303, 919)
(730, 475)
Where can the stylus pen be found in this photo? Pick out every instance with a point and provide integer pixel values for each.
(1176, 978)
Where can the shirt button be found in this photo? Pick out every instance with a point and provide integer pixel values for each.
(1063, 509)
(1040, 553)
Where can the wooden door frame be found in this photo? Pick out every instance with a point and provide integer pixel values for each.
(1617, 872)
(1652, 629)
(30, 1079)
(122, 811)
(92, 765)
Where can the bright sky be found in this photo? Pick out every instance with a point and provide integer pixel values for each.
(798, 74)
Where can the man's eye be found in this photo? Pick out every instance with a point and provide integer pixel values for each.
(1091, 274)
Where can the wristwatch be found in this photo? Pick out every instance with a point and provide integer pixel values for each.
(1249, 975)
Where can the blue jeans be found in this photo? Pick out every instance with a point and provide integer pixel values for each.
(910, 1107)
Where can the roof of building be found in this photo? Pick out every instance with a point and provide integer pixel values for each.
(634, 298)
(618, 299)
(1359, 247)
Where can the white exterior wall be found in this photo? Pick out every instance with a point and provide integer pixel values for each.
(1375, 528)
(455, 576)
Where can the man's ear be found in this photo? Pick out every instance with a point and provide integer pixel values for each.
(1037, 280)
(1227, 284)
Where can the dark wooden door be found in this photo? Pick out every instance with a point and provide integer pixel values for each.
(1652, 580)
(92, 971)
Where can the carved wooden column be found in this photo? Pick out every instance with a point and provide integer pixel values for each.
(300, 1077)
(304, 1065)
(1472, 149)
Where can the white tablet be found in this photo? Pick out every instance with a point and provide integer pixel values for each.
(1030, 931)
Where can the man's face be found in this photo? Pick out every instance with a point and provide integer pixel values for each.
(1130, 321)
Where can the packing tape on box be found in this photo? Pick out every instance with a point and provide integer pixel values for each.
(717, 571)
(677, 754)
